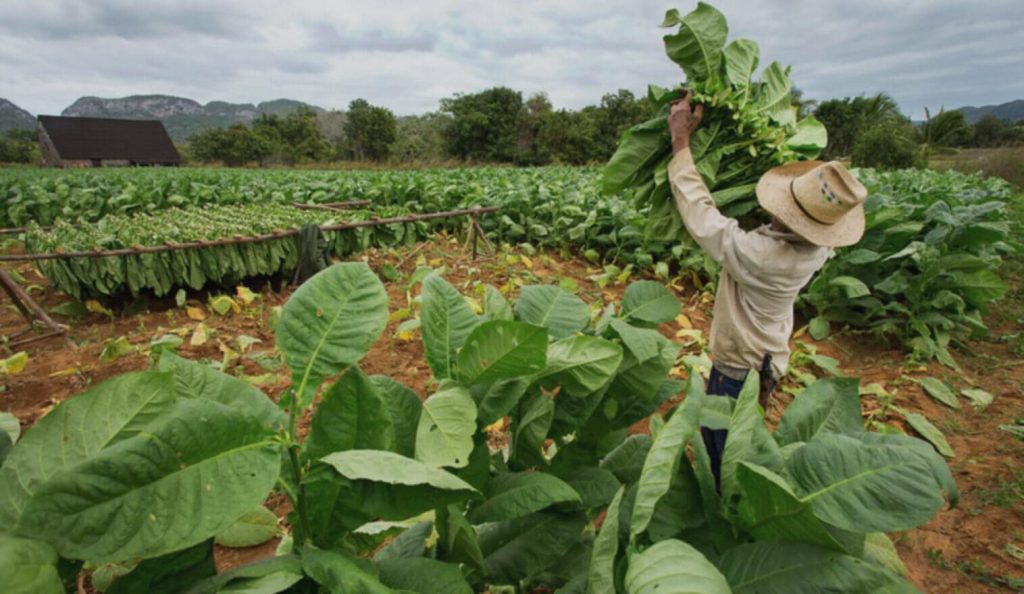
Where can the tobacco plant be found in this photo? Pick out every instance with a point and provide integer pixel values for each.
(496, 479)
(748, 127)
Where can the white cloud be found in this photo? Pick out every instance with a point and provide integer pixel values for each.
(408, 55)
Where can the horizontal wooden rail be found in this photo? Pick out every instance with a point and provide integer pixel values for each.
(169, 247)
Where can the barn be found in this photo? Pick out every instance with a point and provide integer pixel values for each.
(105, 142)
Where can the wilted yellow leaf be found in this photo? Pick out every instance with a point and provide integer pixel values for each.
(200, 335)
(684, 321)
(495, 426)
(195, 313)
(245, 295)
(14, 364)
(512, 259)
(222, 304)
(435, 262)
(71, 371)
(95, 306)
(405, 335)
(526, 261)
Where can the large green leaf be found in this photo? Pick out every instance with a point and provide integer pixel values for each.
(596, 486)
(499, 398)
(496, 307)
(266, 576)
(532, 429)
(810, 137)
(697, 47)
(864, 488)
(662, 463)
(28, 566)
(826, 406)
(779, 567)
(446, 322)
(741, 59)
(193, 379)
(879, 549)
(167, 574)
(927, 430)
(79, 428)
(394, 487)
(749, 440)
(405, 409)
(457, 538)
(501, 350)
(410, 543)
(513, 495)
(649, 301)
(253, 528)
(978, 288)
(769, 510)
(352, 415)
(720, 528)
(556, 309)
(601, 574)
(426, 576)
(130, 500)
(938, 390)
(642, 343)
(339, 573)
(774, 98)
(581, 365)
(444, 436)
(926, 452)
(516, 549)
(640, 146)
(673, 567)
(626, 461)
(330, 323)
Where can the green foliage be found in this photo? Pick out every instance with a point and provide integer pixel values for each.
(19, 146)
(484, 126)
(748, 126)
(233, 146)
(947, 128)
(888, 145)
(175, 456)
(369, 131)
(929, 260)
(845, 119)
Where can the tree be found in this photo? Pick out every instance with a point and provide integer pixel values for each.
(846, 118)
(888, 145)
(992, 131)
(804, 107)
(369, 131)
(569, 137)
(947, 128)
(616, 113)
(19, 146)
(420, 138)
(294, 138)
(232, 146)
(484, 126)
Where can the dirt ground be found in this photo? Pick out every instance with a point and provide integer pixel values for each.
(977, 547)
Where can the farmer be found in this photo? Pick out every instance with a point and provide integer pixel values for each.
(815, 207)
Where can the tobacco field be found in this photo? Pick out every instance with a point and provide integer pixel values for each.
(523, 420)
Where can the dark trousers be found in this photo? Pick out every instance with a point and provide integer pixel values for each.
(714, 441)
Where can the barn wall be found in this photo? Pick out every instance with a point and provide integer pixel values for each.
(50, 156)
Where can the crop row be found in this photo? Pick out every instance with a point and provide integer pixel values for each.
(924, 272)
(162, 272)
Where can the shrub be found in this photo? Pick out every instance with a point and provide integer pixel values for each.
(888, 145)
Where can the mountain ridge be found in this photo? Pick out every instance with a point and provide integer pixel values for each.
(1011, 110)
(181, 116)
(13, 117)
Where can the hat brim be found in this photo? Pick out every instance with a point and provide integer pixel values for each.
(774, 195)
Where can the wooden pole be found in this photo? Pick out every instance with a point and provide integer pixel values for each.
(30, 309)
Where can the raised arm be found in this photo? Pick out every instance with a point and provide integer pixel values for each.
(719, 236)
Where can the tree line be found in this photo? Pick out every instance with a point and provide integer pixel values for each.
(497, 125)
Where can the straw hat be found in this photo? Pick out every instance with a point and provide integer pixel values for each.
(821, 202)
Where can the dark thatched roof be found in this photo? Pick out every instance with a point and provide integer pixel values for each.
(138, 141)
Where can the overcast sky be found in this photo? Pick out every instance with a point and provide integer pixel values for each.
(407, 54)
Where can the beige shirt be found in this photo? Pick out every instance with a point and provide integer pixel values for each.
(762, 273)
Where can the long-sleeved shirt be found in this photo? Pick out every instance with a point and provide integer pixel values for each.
(762, 272)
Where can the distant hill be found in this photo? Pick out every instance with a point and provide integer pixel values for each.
(181, 116)
(1012, 111)
(14, 117)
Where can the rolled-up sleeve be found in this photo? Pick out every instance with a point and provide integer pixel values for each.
(720, 236)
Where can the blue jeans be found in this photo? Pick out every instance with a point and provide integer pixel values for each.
(714, 440)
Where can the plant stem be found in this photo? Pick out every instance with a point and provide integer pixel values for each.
(299, 503)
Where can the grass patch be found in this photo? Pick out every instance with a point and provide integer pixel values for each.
(1004, 162)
